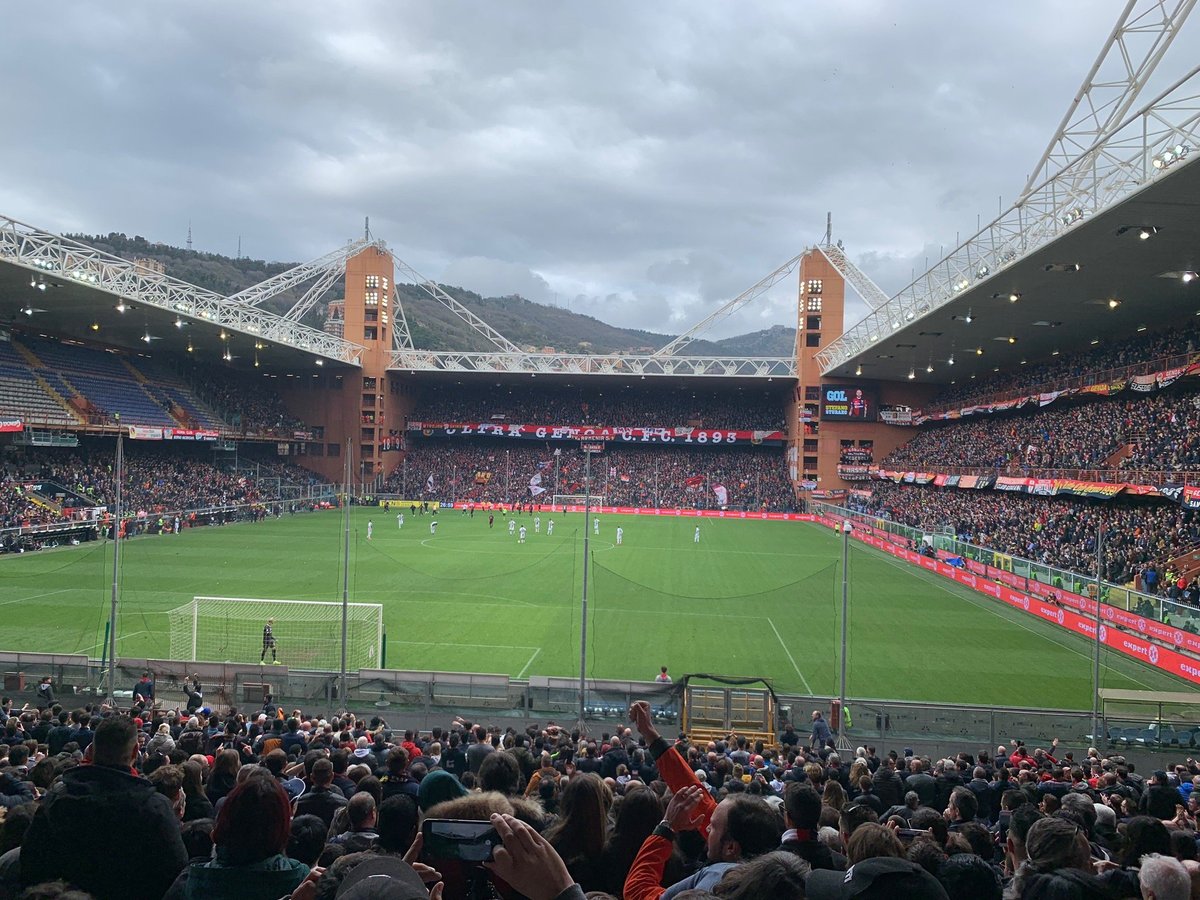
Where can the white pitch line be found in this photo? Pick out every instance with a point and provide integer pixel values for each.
(35, 596)
(524, 668)
(120, 638)
(928, 578)
(807, 687)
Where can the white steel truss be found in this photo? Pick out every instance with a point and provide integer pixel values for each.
(334, 261)
(756, 290)
(1138, 150)
(535, 364)
(41, 251)
(871, 293)
(401, 336)
(476, 323)
(1144, 31)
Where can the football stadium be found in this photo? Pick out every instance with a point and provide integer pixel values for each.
(969, 517)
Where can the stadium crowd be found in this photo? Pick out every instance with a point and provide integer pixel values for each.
(1058, 372)
(248, 406)
(160, 803)
(158, 481)
(627, 407)
(486, 470)
(1163, 431)
(1057, 531)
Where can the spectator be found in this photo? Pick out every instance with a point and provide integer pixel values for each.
(113, 821)
(250, 837)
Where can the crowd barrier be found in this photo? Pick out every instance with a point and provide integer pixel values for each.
(1051, 610)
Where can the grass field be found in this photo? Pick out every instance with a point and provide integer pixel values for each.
(753, 598)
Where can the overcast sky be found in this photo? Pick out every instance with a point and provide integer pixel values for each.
(643, 162)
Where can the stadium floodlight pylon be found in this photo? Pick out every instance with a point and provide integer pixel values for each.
(307, 632)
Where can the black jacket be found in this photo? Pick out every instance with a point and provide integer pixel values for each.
(888, 787)
(816, 854)
(96, 826)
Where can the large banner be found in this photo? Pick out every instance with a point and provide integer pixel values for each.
(1053, 610)
(149, 433)
(691, 436)
(1142, 384)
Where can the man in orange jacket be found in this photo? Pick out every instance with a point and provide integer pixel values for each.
(736, 829)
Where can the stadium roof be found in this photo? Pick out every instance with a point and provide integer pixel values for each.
(62, 288)
(1059, 307)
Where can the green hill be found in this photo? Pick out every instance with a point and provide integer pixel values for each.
(434, 327)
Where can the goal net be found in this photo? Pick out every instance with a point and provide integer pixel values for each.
(307, 633)
(578, 500)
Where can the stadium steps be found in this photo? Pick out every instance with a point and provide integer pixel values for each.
(28, 355)
(133, 370)
(1113, 460)
(56, 396)
(44, 502)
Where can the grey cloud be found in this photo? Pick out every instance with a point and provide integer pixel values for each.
(654, 159)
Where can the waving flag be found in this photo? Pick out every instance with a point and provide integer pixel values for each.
(722, 495)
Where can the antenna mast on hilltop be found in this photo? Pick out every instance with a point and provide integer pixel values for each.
(366, 228)
(189, 243)
(828, 230)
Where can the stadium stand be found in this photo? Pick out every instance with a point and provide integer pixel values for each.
(48, 382)
(1158, 430)
(487, 470)
(256, 804)
(22, 394)
(1058, 531)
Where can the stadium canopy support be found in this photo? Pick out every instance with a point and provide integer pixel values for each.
(1100, 154)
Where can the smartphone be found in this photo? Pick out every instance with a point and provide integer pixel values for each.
(906, 835)
(467, 839)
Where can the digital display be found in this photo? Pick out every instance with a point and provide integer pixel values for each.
(848, 403)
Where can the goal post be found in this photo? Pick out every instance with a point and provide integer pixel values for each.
(307, 632)
(579, 500)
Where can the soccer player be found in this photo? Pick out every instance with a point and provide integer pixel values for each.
(433, 526)
(370, 529)
(550, 528)
(537, 525)
(400, 521)
(269, 643)
(491, 519)
(595, 525)
(512, 527)
(696, 536)
(620, 535)
(521, 535)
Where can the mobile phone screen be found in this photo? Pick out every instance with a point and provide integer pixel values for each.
(468, 840)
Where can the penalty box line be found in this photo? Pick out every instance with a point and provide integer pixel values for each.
(529, 662)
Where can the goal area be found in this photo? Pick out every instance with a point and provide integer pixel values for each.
(579, 500)
(307, 633)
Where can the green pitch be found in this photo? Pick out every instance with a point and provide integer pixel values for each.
(752, 598)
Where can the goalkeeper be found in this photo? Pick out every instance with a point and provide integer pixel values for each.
(269, 642)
